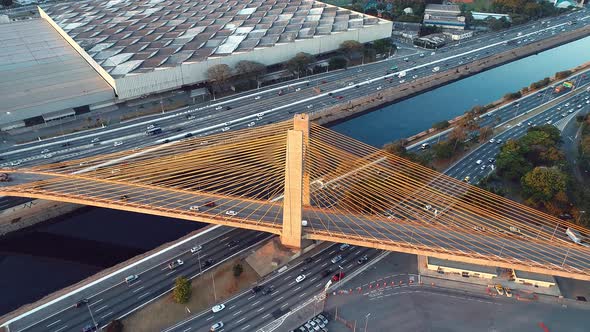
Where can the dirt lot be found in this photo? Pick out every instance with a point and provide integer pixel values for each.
(165, 312)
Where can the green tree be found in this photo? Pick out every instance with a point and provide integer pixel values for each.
(443, 150)
(562, 74)
(398, 148)
(6, 3)
(182, 290)
(238, 269)
(350, 48)
(382, 46)
(441, 125)
(299, 63)
(542, 184)
(338, 62)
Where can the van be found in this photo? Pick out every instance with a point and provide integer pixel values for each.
(131, 278)
(424, 146)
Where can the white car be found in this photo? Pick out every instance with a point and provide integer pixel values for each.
(519, 124)
(257, 97)
(492, 140)
(225, 129)
(218, 308)
(483, 167)
(415, 77)
(259, 115)
(218, 108)
(196, 248)
(251, 124)
(298, 89)
(194, 208)
(309, 106)
(563, 115)
(378, 88)
(94, 140)
(479, 161)
(402, 81)
(174, 264)
(300, 278)
(579, 106)
(231, 213)
(45, 151)
(117, 143)
(567, 104)
(217, 326)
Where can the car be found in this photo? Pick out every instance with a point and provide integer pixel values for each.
(406, 59)
(256, 289)
(309, 106)
(224, 129)
(424, 146)
(259, 115)
(131, 278)
(300, 278)
(344, 246)
(208, 262)
(336, 259)
(81, 303)
(216, 327)
(90, 328)
(251, 124)
(45, 151)
(257, 97)
(402, 81)
(479, 161)
(529, 124)
(491, 160)
(304, 223)
(581, 298)
(174, 264)
(338, 276)
(191, 116)
(228, 108)
(579, 106)
(124, 197)
(218, 108)
(483, 167)
(231, 213)
(492, 140)
(209, 204)
(362, 260)
(322, 318)
(549, 122)
(327, 272)
(467, 179)
(94, 140)
(217, 308)
(319, 322)
(232, 243)
(519, 124)
(421, 55)
(196, 248)
(567, 104)
(308, 260)
(118, 143)
(415, 77)
(499, 289)
(267, 290)
(314, 325)
(63, 145)
(378, 88)
(194, 208)
(508, 292)
(187, 135)
(498, 141)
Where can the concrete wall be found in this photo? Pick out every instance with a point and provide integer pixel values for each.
(31, 213)
(447, 269)
(133, 86)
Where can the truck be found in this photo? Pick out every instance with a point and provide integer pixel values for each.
(574, 235)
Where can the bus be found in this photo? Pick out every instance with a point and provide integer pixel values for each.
(153, 131)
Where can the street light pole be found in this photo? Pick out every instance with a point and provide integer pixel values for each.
(91, 316)
(367, 321)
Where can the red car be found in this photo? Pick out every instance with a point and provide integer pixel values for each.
(338, 276)
(209, 204)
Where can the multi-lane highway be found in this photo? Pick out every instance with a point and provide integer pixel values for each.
(113, 297)
(250, 311)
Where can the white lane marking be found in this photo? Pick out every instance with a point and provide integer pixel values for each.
(233, 306)
(287, 277)
(210, 318)
(57, 321)
(298, 288)
(99, 309)
(143, 295)
(95, 302)
(324, 264)
(169, 273)
(292, 282)
(107, 314)
(61, 328)
(237, 313)
(137, 289)
(245, 327)
(241, 320)
(251, 297)
(255, 303)
(259, 310)
(286, 304)
(302, 295)
(280, 298)
(187, 329)
(263, 317)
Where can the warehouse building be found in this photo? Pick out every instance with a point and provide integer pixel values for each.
(444, 16)
(461, 269)
(127, 50)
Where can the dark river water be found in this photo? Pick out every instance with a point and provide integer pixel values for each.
(50, 256)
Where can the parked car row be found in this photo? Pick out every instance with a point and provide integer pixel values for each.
(317, 323)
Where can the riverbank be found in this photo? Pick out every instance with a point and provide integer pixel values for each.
(340, 113)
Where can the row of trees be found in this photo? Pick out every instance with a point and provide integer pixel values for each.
(219, 75)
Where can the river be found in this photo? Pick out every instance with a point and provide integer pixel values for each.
(52, 255)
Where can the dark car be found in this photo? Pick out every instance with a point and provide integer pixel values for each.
(327, 272)
(66, 144)
(232, 243)
(308, 260)
(268, 290)
(187, 135)
(256, 289)
(209, 204)
(90, 328)
(581, 298)
(124, 197)
(80, 303)
(208, 262)
(228, 108)
(362, 260)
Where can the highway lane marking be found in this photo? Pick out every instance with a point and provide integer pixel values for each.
(57, 321)
(298, 288)
(61, 328)
(318, 285)
(302, 295)
(291, 283)
(233, 306)
(224, 239)
(259, 310)
(255, 303)
(237, 313)
(331, 252)
(280, 298)
(169, 273)
(324, 264)
(107, 314)
(187, 329)
(287, 277)
(251, 297)
(143, 295)
(241, 320)
(99, 309)
(210, 318)
(286, 304)
(263, 317)
(314, 278)
(137, 289)
(245, 327)
(95, 302)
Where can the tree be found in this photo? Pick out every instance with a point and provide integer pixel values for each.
(182, 290)
(338, 62)
(562, 74)
(6, 3)
(441, 125)
(397, 148)
(484, 133)
(114, 326)
(443, 150)
(218, 74)
(251, 70)
(299, 63)
(238, 269)
(382, 45)
(542, 184)
(350, 47)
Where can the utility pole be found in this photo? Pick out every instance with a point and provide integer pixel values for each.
(91, 316)
(367, 321)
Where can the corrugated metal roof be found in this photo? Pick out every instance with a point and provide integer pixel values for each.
(40, 73)
(227, 26)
